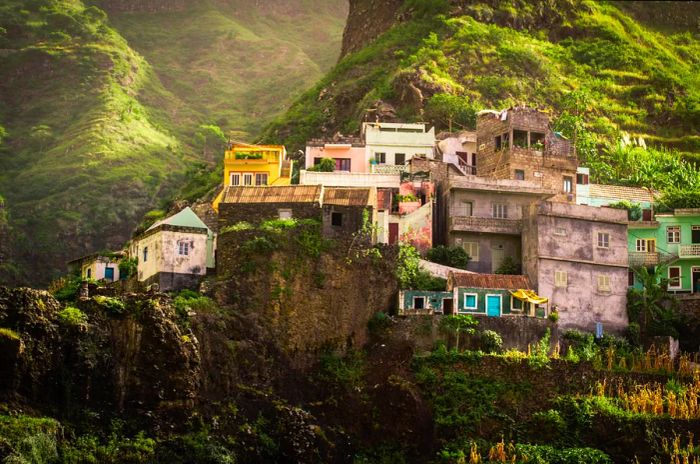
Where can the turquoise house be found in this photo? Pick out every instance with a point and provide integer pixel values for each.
(671, 240)
(494, 295)
(417, 302)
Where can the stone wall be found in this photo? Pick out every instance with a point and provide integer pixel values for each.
(255, 213)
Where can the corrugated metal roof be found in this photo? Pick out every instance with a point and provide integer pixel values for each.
(273, 194)
(341, 196)
(618, 192)
(510, 282)
(185, 218)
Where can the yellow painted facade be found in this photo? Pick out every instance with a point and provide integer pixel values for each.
(255, 165)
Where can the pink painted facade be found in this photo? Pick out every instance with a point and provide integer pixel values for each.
(349, 157)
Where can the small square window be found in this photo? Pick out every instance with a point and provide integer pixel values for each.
(472, 249)
(500, 211)
(380, 158)
(400, 159)
(284, 213)
(603, 240)
(519, 174)
(183, 248)
(560, 231)
(470, 301)
(582, 179)
(261, 179)
(418, 302)
(603, 283)
(337, 219)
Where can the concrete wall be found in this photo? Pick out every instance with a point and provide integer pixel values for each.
(164, 257)
(349, 179)
(491, 248)
(97, 269)
(390, 143)
(359, 156)
(416, 228)
(483, 201)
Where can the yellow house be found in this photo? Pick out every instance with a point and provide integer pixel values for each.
(255, 165)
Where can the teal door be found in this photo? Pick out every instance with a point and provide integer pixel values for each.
(493, 305)
(109, 274)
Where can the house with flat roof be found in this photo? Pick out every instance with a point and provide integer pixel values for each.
(349, 154)
(98, 266)
(391, 145)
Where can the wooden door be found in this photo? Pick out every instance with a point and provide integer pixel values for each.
(393, 233)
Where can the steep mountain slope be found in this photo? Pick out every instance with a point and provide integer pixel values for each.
(97, 135)
(442, 60)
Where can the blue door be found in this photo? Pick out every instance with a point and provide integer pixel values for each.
(493, 305)
(109, 274)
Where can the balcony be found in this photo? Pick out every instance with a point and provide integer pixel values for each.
(389, 168)
(643, 258)
(689, 251)
(488, 225)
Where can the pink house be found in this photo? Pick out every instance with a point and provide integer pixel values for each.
(349, 154)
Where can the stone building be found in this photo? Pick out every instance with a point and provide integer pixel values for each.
(485, 217)
(174, 253)
(519, 144)
(341, 211)
(577, 255)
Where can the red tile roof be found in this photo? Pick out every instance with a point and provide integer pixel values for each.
(273, 194)
(619, 192)
(340, 196)
(498, 281)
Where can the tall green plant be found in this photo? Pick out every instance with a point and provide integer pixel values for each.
(652, 307)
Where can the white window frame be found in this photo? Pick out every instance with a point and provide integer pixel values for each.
(469, 247)
(265, 177)
(513, 309)
(285, 213)
(605, 242)
(561, 279)
(425, 301)
(676, 231)
(248, 179)
(236, 175)
(604, 284)
(680, 278)
(183, 248)
(476, 302)
(560, 231)
(641, 245)
(499, 211)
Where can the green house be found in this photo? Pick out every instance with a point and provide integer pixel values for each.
(671, 240)
(416, 302)
(494, 295)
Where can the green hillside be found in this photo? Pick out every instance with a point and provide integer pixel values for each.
(97, 134)
(446, 60)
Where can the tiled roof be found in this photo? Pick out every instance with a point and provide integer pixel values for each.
(510, 282)
(340, 196)
(618, 192)
(273, 194)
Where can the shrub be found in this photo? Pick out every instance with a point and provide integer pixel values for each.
(378, 322)
(553, 316)
(258, 245)
(72, 316)
(237, 227)
(188, 301)
(325, 165)
(128, 267)
(508, 267)
(8, 333)
(449, 256)
(114, 306)
(491, 342)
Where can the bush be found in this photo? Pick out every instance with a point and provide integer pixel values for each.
(128, 267)
(325, 165)
(72, 316)
(508, 267)
(378, 322)
(9, 333)
(491, 342)
(449, 256)
(114, 306)
(554, 316)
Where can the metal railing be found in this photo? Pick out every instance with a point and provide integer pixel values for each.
(643, 258)
(689, 251)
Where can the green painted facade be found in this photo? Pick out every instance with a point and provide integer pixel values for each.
(432, 300)
(481, 300)
(683, 254)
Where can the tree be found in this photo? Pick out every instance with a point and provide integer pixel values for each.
(458, 324)
(325, 165)
(449, 256)
(652, 306)
(210, 139)
(445, 110)
(508, 266)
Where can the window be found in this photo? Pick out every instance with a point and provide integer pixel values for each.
(89, 273)
(641, 245)
(380, 158)
(519, 174)
(418, 302)
(568, 184)
(673, 234)
(261, 179)
(284, 213)
(630, 278)
(400, 159)
(497, 143)
(472, 249)
(465, 208)
(342, 164)
(560, 231)
(561, 279)
(337, 219)
(674, 277)
(603, 240)
(500, 211)
(537, 140)
(582, 179)
(603, 283)
(471, 301)
(145, 254)
(247, 179)
(317, 161)
(516, 305)
(183, 248)
(695, 234)
(519, 138)
(235, 179)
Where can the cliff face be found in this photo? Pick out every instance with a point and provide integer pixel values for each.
(366, 22)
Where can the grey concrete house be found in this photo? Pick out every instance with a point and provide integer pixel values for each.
(578, 256)
(485, 217)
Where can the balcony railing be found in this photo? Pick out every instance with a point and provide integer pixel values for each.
(643, 258)
(389, 168)
(689, 251)
(486, 224)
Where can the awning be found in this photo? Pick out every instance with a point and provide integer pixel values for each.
(529, 296)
